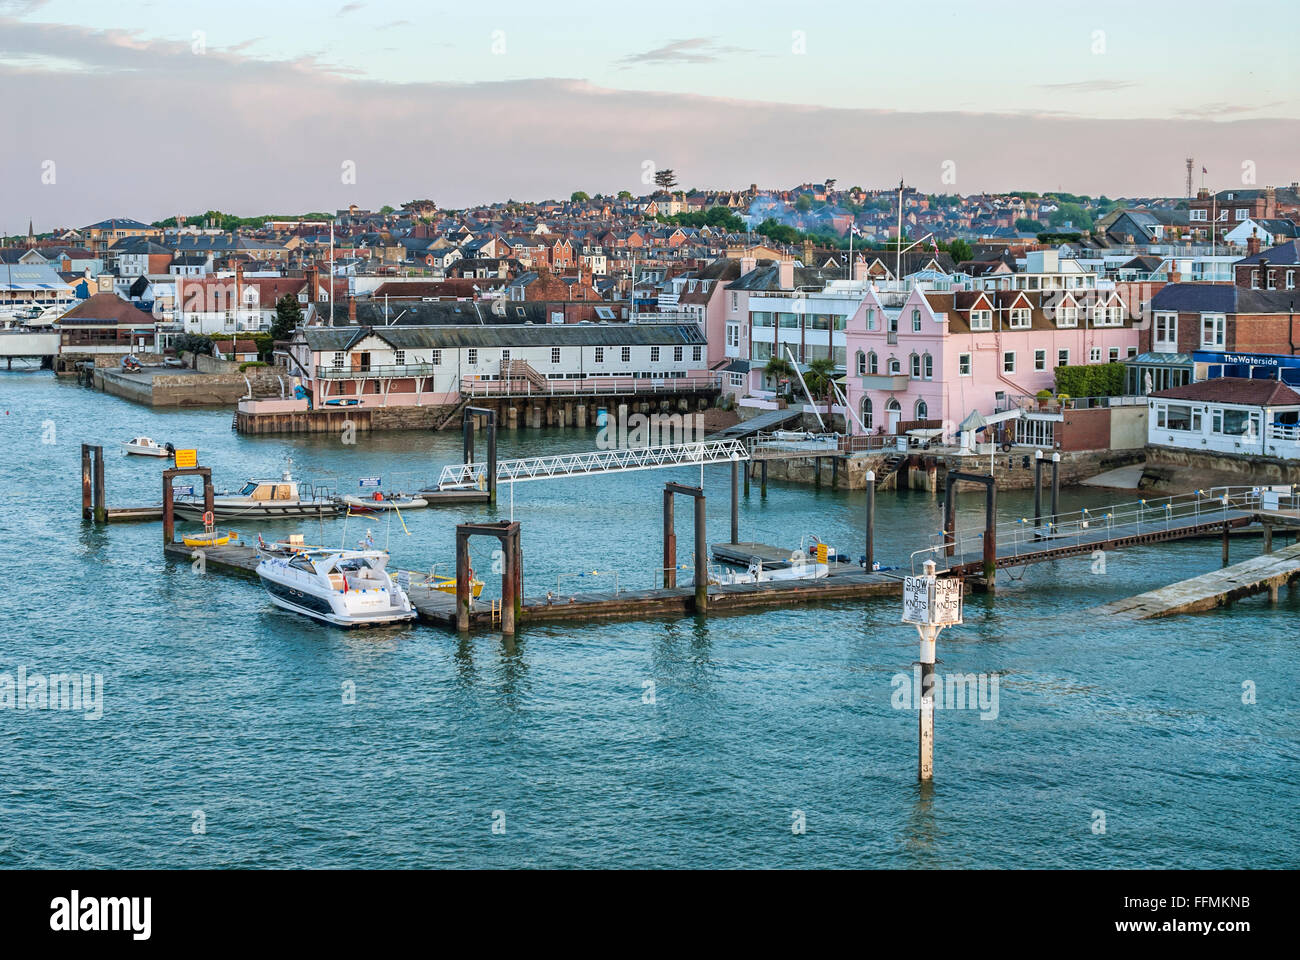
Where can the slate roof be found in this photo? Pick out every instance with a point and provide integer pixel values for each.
(446, 336)
(1283, 253)
(1221, 298)
(1249, 392)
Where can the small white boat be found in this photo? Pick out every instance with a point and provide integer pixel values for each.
(348, 588)
(145, 447)
(757, 573)
(385, 501)
(268, 499)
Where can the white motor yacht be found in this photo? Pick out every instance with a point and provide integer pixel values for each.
(146, 447)
(267, 499)
(348, 588)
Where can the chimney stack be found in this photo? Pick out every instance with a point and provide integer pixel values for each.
(1252, 244)
(859, 269)
(352, 310)
(747, 265)
(785, 274)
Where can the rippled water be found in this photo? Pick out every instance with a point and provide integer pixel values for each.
(221, 709)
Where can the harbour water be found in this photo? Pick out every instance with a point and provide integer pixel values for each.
(227, 738)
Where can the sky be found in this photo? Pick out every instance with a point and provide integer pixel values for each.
(147, 109)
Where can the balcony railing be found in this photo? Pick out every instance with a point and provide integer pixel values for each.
(377, 371)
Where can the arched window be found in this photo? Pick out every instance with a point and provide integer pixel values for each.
(862, 363)
(927, 367)
(916, 320)
(872, 366)
(915, 364)
(922, 410)
(895, 368)
(866, 412)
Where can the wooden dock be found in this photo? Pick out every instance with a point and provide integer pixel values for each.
(439, 609)
(126, 514)
(773, 558)
(1218, 588)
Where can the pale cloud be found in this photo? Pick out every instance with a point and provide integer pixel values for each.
(689, 50)
(1088, 86)
(254, 136)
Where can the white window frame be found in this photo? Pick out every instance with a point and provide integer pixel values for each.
(964, 365)
(1040, 359)
(1008, 355)
(1164, 333)
(981, 319)
(1021, 318)
(1218, 324)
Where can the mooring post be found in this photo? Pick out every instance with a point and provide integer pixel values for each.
(1226, 527)
(492, 461)
(462, 580)
(871, 520)
(1056, 485)
(1038, 491)
(467, 429)
(169, 512)
(1268, 538)
(85, 482)
(101, 509)
(949, 517)
(509, 580)
(669, 564)
(735, 498)
(990, 534)
(762, 482)
(817, 471)
(209, 495)
(835, 473)
(749, 471)
(701, 558)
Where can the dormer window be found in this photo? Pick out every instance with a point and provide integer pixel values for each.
(1020, 318)
(981, 319)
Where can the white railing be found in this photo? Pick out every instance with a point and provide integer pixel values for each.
(1077, 528)
(474, 475)
(589, 386)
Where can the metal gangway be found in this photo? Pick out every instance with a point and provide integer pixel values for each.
(590, 463)
(1133, 523)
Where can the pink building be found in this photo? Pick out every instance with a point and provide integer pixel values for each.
(945, 354)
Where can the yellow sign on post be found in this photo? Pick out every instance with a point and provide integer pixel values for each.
(186, 459)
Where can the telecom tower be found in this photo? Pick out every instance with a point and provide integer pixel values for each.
(1189, 178)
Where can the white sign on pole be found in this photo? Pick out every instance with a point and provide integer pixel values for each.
(947, 602)
(928, 601)
(916, 599)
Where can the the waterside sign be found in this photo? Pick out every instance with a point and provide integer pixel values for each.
(369, 482)
(187, 459)
(930, 601)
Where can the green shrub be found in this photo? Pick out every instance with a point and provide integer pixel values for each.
(252, 363)
(1091, 380)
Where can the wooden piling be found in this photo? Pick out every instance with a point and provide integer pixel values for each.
(1226, 528)
(871, 520)
(86, 513)
(735, 501)
(669, 564)
(101, 509)
(701, 559)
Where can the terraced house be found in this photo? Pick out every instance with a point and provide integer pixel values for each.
(944, 354)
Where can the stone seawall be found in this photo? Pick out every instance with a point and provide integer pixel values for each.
(1182, 470)
(184, 389)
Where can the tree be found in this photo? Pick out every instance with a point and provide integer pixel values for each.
(288, 316)
(625, 194)
(386, 209)
(778, 368)
(804, 203)
(818, 377)
(193, 343)
(579, 196)
(1026, 225)
(665, 180)
(960, 251)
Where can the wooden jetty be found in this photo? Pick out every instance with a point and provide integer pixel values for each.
(1269, 571)
(772, 558)
(439, 609)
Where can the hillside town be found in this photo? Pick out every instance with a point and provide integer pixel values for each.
(874, 313)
